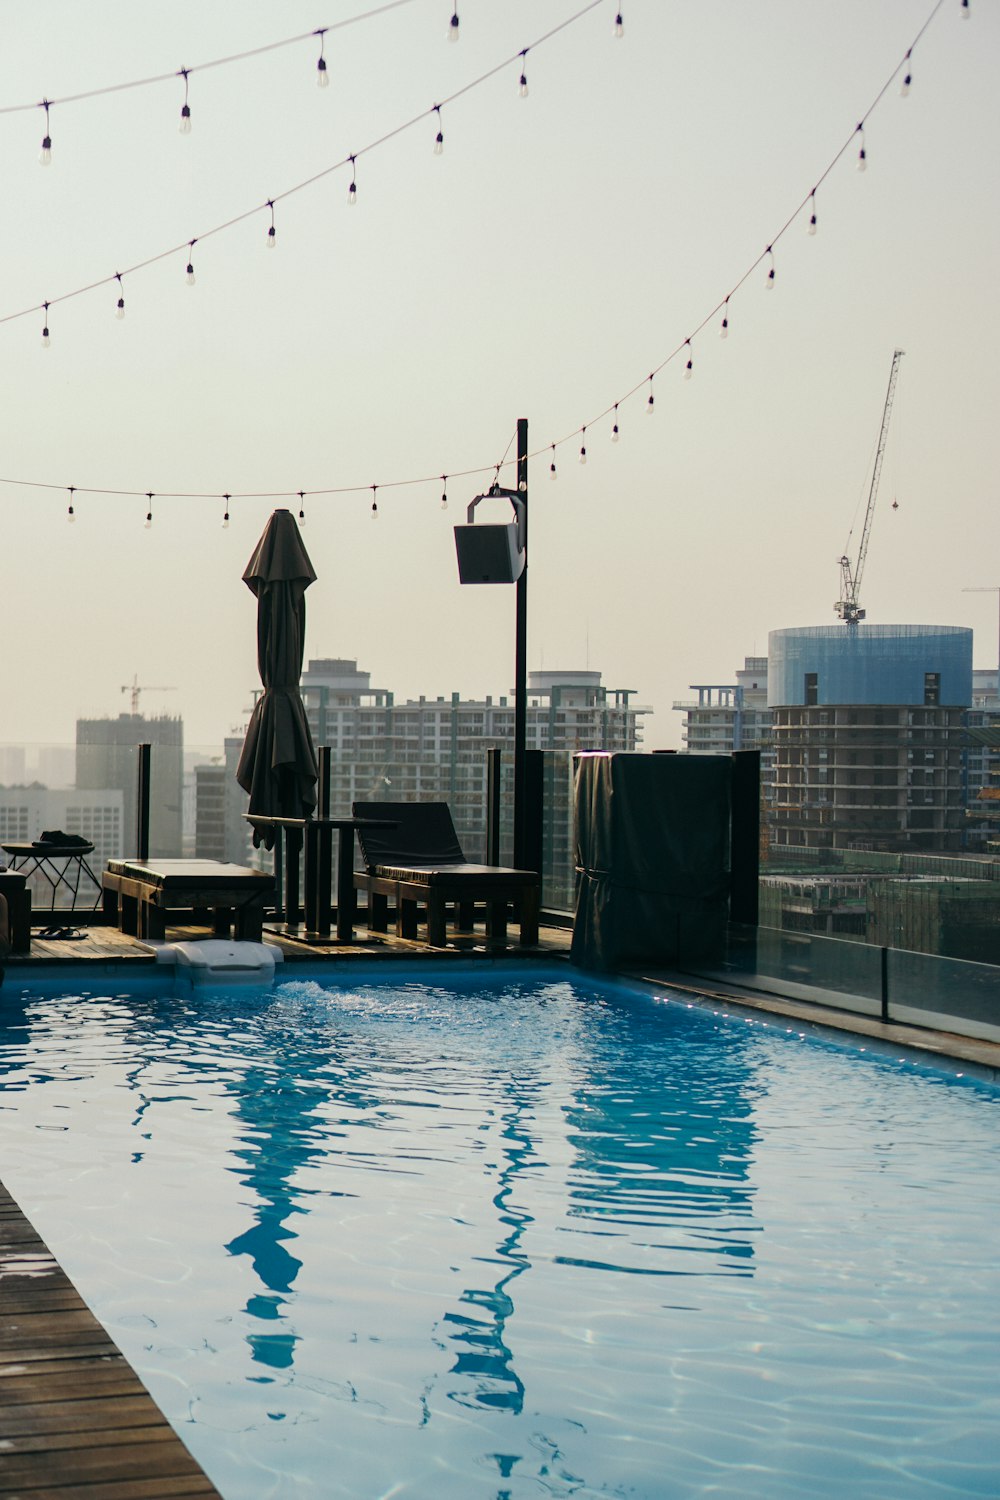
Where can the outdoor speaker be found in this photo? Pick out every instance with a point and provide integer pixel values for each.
(488, 554)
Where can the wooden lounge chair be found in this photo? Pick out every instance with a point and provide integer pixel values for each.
(139, 894)
(419, 862)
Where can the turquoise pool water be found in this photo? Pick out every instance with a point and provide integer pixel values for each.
(526, 1237)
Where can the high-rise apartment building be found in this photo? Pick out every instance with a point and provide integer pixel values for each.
(221, 831)
(869, 735)
(729, 716)
(435, 748)
(107, 759)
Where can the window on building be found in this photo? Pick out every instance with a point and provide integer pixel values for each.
(812, 689)
(932, 688)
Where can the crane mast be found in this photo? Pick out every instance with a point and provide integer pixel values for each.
(847, 606)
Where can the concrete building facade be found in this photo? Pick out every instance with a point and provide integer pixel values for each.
(868, 725)
(106, 759)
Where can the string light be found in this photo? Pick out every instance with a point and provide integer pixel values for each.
(724, 325)
(190, 263)
(689, 367)
(614, 430)
(120, 306)
(302, 507)
(552, 466)
(619, 25)
(811, 226)
(965, 10)
(439, 138)
(769, 283)
(185, 125)
(45, 155)
(352, 191)
(904, 87)
(149, 510)
(453, 27)
(862, 155)
(272, 233)
(374, 502)
(650, 404)
(522, 87)
(225, 517)
(583, 445)
(444, 492)
(70, 512)
(45, 328)
(322, 76)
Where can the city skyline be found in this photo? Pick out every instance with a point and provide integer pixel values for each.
(560, 248)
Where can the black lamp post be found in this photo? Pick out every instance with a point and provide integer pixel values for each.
(499, 554)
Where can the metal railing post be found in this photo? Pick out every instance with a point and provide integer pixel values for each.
(142, 801)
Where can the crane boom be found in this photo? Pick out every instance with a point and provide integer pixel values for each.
(847, 606)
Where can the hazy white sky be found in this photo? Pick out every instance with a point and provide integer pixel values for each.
(561, 247)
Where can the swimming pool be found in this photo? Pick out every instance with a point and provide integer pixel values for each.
(507, 1234)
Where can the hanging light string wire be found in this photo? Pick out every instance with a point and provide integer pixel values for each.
(268, 205)
(215, 62)
(548, 447)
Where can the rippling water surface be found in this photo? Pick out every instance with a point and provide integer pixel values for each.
(539, 1239)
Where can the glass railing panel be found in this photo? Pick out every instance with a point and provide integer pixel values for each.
(804, 966)
(558, 841)
(949, 994)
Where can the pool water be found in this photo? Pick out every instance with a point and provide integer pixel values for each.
(526, 1237)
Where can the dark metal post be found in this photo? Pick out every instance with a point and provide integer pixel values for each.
(885, 984)
(324, 781)
(521, 660)
(744, 858)
(142, 801)
(494, 764)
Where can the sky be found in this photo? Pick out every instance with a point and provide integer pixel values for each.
(562, 247)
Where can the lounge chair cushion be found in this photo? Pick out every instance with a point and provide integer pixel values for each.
(486, 877)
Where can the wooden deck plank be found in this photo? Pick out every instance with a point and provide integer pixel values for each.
(75, 1420)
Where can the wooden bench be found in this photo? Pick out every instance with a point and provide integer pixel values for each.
(138, 894)
(416, 861)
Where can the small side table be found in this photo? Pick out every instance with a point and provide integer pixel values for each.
(72, 863)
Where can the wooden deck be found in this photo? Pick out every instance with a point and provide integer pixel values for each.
(75, 1420)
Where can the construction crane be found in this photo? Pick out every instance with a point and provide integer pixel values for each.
(134, 689)
(847, 606)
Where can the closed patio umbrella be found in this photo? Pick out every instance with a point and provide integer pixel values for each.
(278, 763)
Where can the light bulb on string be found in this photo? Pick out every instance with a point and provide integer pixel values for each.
(374, 511)
(149, 512)
(352, 191)
(862, 163)
(619, 25)
(522, 86)
(811, 226)
(322, 74)
(650, 403)
(190, 264)
(552, 466)
(70, 512)
(272, 233)
(904, 87)
(689, 367)
(45, 327)
(439, 138)
(724, 325)
(769, 283)
(45, 155)
(965, 10)
(583, 445)
(444, 492)
(225, 516)
(185, 125)
(120, 305)
(302, 507)
(614, 430)
(453, 27)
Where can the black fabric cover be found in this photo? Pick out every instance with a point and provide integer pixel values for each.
(424, 834)
(652, 854)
